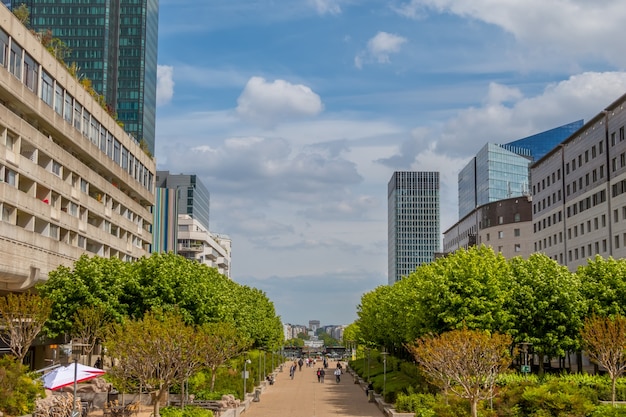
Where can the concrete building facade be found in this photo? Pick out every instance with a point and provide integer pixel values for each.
(113, 43)
(413, 221)
(72, 181)
(579, 192)
(505, 225)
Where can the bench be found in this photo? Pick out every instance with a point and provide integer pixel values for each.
(211, 405)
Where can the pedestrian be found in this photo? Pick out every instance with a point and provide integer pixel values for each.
(370, 387)
(322, 374)
(319, 375)
(337, 375)
(98, 363)
(300, 363)
(292, 371)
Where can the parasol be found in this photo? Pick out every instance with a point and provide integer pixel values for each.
(67, 375)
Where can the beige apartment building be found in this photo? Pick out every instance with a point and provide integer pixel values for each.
(505, 225)
(579, 192)
(71, 180)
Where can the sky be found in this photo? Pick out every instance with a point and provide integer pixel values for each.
(296, 113)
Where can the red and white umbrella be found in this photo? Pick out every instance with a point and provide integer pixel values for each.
(67, 375)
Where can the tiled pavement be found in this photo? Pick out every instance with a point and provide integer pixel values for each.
(305, 397)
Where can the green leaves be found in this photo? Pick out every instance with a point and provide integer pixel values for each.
(165, 282)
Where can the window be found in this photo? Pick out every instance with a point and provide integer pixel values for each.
(4, 48)
(47, 88)
(56, 168)
(68, 107)
(10, 177)
(517, 217)
(15, 60)
(500, 219)
(518, 247)
(30, 73)
(83, 185)
(516, 232)
(500, 235)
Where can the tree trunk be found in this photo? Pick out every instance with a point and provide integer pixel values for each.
(474, 407)
(213, 377)
(613, 383)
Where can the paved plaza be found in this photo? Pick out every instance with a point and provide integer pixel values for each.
(305, 397)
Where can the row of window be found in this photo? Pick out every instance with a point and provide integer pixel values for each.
(14, 58)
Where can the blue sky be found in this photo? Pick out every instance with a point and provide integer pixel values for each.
(295, 113)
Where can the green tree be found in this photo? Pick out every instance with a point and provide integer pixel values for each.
(18, 391)
(155, 350)
(547, 306)
(220, 342)
(92, 281)
(90, 323)
(464, 362)
(22, 317)
(604, 340)
(603, 286)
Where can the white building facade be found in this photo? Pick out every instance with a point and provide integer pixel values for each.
(197, 243)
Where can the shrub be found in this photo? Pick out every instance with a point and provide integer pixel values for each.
(420, 404)
(188, 411)
(607, 410)
(18, 391)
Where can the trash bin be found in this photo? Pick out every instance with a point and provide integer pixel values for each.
(370, 396)
(112, 396)
(257, 395)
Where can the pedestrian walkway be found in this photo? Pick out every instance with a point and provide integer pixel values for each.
(303, 396)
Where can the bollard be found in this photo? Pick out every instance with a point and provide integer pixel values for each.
(257, 395)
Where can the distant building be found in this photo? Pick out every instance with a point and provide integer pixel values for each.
(314, 325)
(182, 222)
(72, 182)
(196, 243)
(579, 192)
(498, 172)
(114, 44)
(413, 221)
(193, 197)
(505, 225)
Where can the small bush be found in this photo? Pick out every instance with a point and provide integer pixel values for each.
(420, 404)
(188, 411)
(607, 410)
(18, 391)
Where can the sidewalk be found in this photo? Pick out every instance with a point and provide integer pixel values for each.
(305, 397)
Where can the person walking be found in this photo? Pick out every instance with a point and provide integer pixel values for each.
(292, 371)
(319, 375)
(337, 375)
(322, 374)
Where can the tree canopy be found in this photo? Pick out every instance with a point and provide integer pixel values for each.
(533, 300)
(166, 282)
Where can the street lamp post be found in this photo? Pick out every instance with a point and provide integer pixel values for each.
(368, 364)
(246, 361)
(384, 353)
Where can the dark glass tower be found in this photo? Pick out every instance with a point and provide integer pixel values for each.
(114, 44)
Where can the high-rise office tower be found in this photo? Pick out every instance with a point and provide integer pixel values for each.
(114, 44)
(193, 196)
(413, 221)
(499, 172)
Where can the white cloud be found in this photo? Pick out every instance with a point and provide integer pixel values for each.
(267, 104)
(165, 84)
(383, 44)
(326, 6)
(379, 48)
(552, 29)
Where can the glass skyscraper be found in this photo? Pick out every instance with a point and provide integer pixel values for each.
(114, 44)
(413, 221)
(498, 172)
